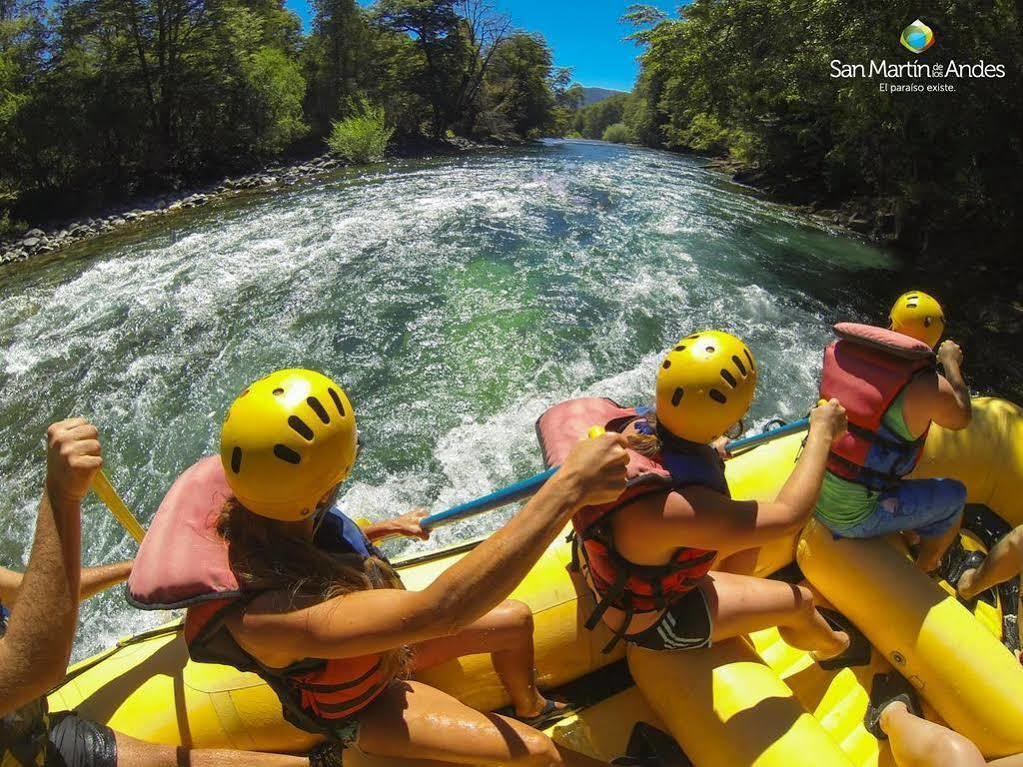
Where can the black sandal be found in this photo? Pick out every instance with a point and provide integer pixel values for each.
(549, 714)
(859, 650)
(885, 690)
(956, 562)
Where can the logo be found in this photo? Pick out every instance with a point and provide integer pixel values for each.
(917, 37)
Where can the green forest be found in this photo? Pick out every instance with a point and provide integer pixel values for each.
(105, 100)
(750, 80)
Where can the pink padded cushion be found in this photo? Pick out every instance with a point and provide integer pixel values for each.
(182, 559)
(883, 339)
(562, 426)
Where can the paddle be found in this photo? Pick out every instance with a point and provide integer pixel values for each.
(106, 492)
(529, 487)
(741, 445)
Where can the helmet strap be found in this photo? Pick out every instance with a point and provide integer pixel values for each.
(323, 507)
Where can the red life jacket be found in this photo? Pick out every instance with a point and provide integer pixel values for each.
(618, 582)
(183, 562)
(867, 369)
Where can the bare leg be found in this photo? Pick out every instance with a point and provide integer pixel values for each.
(506, 632)
(1003, 562)
(413, 720)
(135, 753)
(933, 549)
(915, 742)
(740, 604)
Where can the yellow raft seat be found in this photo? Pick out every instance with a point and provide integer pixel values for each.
(752, 701)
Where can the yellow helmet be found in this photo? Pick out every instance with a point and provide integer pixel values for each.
(286, 442)
(705, 385)
(920, 316)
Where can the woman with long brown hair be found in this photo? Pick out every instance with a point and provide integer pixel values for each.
(323, 617)
(658, 559)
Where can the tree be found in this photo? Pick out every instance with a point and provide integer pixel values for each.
(520, 99)
(434, 25)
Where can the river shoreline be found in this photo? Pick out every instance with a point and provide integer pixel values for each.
(48, 238)
(983, 295)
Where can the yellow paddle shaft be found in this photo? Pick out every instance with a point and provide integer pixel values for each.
(106, 492)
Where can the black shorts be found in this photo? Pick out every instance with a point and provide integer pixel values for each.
(77, 742)
(686, 625)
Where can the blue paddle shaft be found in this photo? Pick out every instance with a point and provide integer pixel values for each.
(768, 436)
(529, 487)
(517, 492)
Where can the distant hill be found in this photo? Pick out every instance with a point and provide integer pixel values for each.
(593, 95)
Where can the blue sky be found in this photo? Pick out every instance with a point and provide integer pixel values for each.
(585, 35)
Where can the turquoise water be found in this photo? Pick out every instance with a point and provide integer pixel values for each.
(454, 299)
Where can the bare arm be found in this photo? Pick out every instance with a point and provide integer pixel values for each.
(406, 525)
(35, 651)
(93, 580)
(945, 400)
(102, 577)
(702, 518)
(365, 622)
(952, 406)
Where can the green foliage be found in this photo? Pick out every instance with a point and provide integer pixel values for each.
(362, 137)
(518, 98)
(618, 133)
(278, 87)
(751, 79)
(593, 120)
(103, 99)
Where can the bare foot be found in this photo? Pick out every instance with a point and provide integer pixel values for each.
(540, 704)
(965, 584)
(843, 640)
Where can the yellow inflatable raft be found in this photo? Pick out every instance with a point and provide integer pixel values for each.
(754, 701)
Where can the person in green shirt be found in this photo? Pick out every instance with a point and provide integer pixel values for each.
(932, 508)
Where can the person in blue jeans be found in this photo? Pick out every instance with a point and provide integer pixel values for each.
(867, 504)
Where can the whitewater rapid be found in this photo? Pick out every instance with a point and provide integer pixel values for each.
(454, 299)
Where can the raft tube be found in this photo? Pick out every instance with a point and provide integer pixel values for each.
(970, 678)
(752, 701)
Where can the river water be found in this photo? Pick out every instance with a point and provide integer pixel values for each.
(453, 298)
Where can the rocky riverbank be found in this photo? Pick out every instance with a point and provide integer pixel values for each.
(38, 240)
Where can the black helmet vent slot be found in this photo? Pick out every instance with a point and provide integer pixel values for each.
(318, 408)
(236, 460)
(717, 396)
(337, 402)
(301, 427)
(728, 378)
(677, 396)
(739, 364)
(287, 455)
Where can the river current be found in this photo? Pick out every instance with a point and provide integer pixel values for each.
(454, 299)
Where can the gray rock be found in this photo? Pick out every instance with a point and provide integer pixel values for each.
(118, 221)
(31, 242)
(36, 233)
